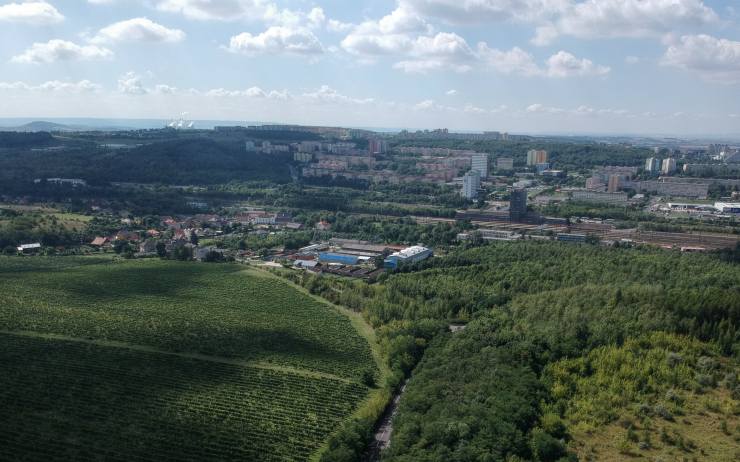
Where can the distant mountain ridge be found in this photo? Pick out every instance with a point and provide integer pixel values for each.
(40, 126)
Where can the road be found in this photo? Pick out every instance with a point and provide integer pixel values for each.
(385, 429)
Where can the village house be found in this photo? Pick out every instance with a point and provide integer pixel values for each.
(100, 242)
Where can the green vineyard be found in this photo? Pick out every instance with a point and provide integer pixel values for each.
(214, 310)
(155, 360)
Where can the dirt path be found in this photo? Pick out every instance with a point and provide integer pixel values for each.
(196, 356)
(385, 428)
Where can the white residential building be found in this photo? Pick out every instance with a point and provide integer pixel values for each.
(471, 184)
(669, 166)
(479, 163)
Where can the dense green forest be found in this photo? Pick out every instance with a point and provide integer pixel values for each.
(174, 162)
(486, 393)
(10, 140)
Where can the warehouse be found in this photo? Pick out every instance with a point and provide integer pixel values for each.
(413, 254)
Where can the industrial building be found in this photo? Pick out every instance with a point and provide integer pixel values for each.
(341, 258)
(407, 256)
(566, 237)
(727, 207)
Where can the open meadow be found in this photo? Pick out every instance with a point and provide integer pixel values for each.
(155, 360)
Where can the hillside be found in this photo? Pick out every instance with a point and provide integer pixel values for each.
(187, 161)
(532, 308)
(136, 359)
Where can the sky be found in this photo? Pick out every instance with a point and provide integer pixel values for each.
(667, 67)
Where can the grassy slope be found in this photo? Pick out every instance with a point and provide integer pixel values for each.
(74, 401)
(659, 397)
(244, 317)
(212, 310)
(378, 397)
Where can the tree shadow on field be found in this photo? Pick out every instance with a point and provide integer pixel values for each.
(126, 280)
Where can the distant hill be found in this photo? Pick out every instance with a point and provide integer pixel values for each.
(179, 161)
(46, 126)
(42, 126)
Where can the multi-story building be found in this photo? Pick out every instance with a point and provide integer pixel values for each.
(674, 188)
(596, 183)
(616, 183)
(518, 205)
(304, 157)
(505, 163)
(652, 165)
(377, 146)
(669, 166)
(479, 163)
(599, 197)
(471, 185)
(535, 157)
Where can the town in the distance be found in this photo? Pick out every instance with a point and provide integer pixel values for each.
(669, 193)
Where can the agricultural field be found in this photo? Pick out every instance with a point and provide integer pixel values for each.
(155, 360)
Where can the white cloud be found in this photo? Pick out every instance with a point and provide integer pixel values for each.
(392, 34)
(83, 86)
(164, 89)
(442, 51)
(452, 92)
(425, 105)
(131, 84)
(514, 61)
(240, 10)
(578, 18)
(326, 94)
(633, 18)
(403, 20)
(542, 109)
(316, 17)
(712, 58)
(333, 25)
(632, 60)
(276, 40)
(472, 109)
(138, 30)
(476, 11)
(519, 62)
(405, 34)
(544, 35)
(564, 64)
(225, 10)
(252, 92)
(36, 13)
(61, 50)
